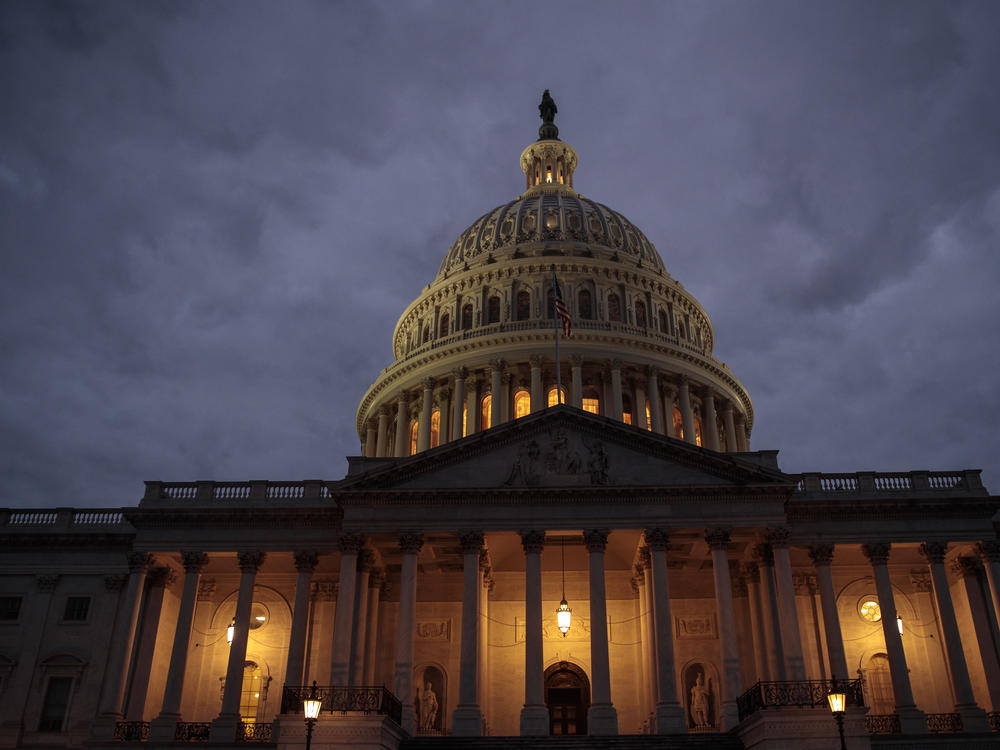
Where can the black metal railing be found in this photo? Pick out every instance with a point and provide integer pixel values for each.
(883, 724)
(944, 723)
(994, 717)
(256, 731)
(367, 699)
(803, 693)
(192, 731)
(132, 731)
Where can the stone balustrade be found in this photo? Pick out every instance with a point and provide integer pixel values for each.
(160, 493)
(64, 520)
(894, 484)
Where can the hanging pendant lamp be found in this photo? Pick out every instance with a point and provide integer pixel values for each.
(563, 613)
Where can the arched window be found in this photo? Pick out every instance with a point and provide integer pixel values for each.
(585, 305)
(466, 317)
(435, 428)
(592, 404)
(427, 335)
(523, 305)
(465, 419)
(663, 322)
(443, 325)
(697, 431)
(414, 431)
(614, 308)
(626, 410)
(681, 331)
(250, 695)
(550, 300)
(486, 411)
(649, 417)
(493, 310)
(678, 424)
(880, 696)
(522, 404)
(553, 396)
(640, 314)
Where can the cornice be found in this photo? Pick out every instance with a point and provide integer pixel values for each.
(236, 518)
(876, 509)
(77, 540)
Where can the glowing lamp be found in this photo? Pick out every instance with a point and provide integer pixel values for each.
(231, 631)
(563, 617)
(837, 701)
(899, 624)
(311, 707)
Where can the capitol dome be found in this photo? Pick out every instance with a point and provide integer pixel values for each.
(478, 347)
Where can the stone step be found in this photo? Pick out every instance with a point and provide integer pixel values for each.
(620, 742)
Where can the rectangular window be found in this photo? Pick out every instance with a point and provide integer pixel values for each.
(76, 608)
(10, 608)
(55, 705)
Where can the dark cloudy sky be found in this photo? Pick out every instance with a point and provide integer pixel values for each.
(213, 213)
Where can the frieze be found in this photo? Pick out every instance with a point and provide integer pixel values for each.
(434, 630)
(556, 460)
(701, 627)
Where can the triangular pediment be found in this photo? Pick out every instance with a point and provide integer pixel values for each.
(561, 447)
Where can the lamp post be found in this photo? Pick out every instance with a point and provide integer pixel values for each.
(837, 701)
(311, 707)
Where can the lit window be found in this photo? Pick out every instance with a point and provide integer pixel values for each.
(869, 609)
(443, 325)
(593, 405)
(77, 608)
(697, 431)
(466, 317)
(250, 694)
(678, 424)
(627, 417)
(640, 314)
(435, 428)
(522, 404)
(649, 417)
(414, 430)
(465, 419)
(553, 396)
(486, 411)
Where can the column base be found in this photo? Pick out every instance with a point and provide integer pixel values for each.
(534, 721)
(409, 719)
(467, 721)
(670, 719)
(602, 719)
(224, 728)
(730, 715)
(163, 728)
(974, 719)
(911, 720)
(103, 727)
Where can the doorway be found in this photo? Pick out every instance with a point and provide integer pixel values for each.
(567, 696)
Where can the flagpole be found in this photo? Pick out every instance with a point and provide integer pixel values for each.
(555, 320)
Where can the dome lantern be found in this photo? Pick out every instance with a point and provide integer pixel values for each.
(548, 162)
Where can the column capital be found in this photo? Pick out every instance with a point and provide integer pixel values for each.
(115, 583)
(595, 539)
(532, 541)
(459, 373)
(507, 378)
(644, 558)
(657, 540)
(778, 536)
(615, 364)
(989, 550)
(920, 580)
(306, 560)
(576, 360)
(403, 398)
(324, 591)
(350, 544)
(471, 542)
(751, 572)
(194, 561)
(250, 560)
(383, 411)
(46, 583)
(497, 365)
(683, 381)
(429, 384)
(139, 562)
(161, 577)
(718, 538)
(727, 408)
(485, 566)
(877, 552)
(821, 554)
(536, 360)
(444, 392)
(366, 560)
(967, 566)
(376, 579)
(934, 552)
(805, 583)
(638, 573)
(652, 371)
(763, 554)
(410, 543)
(708, 394)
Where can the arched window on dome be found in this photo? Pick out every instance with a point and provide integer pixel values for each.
(649, 417)
(443, 325)
(592, 402)
(585, 305)
(486, 411)
(435, 428)
(553, 396)
(467, 317)
(663, 322)
(614, 308)
(678, 424)
(523, 305)
(414, 431)
(697, 431)
(493, 310)
(681, 330)
(640, 314)
(626, 410)
(522, 403)
(427, 334)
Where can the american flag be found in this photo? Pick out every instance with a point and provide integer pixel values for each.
(560, 305)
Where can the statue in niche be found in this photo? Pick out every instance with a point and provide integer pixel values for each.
(701, 699)
(428, 699)
(428, 707)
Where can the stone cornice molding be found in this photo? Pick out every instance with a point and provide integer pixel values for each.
(934, 552)
(877, 552)
(532, 541)
(250, 560)
(306, 561)
(410, 544)
(849, 512)
(821, 554)
(277, 514)
(596, 540)
(99, 541)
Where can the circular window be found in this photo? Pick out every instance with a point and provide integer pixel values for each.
(869, 610)
(258, 615)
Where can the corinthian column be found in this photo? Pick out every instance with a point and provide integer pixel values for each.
(711, 420)
(537, 397)
(467, 719)
(973, 717)
(669, 713)
(732, 443)
(616, 390)
(791, 640)
(383, 427)
(496, 382)
(911, 719)
(340, 659)
(687, 416)
(402, 426)
(409, 545)
(655, 407)
(822, 556)
(460, 374)
(601, 717)
(534, 714)
(424, 426)
(576, 387)
(718, 542)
